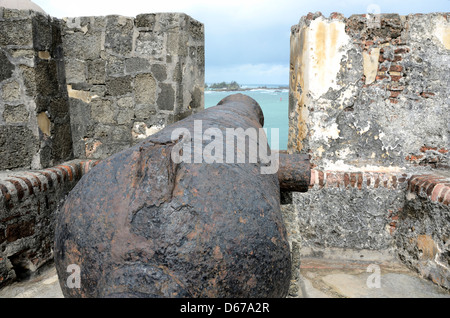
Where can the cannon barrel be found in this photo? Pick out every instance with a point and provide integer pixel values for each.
(294, 172)
(170, 218)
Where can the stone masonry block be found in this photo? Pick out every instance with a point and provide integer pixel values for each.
(16, 32)
(15, 114)
(96, 71)
(166, 98)
(6, 67)
(159, 71)
(145, 89)
(145, 112)
(28, 75)
(119, 34)
(151, 44)
(137, 65)
(11, 92)
(117, 86)
(75, 71)
(82, 46)
(115, 66)
(43, 30)
(145, 20)
(102, 111)
(46, 77)
(196, 30)
(18, 145)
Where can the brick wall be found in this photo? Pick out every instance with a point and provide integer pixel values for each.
(434, 187)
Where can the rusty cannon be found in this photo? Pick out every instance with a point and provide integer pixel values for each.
(186, 213)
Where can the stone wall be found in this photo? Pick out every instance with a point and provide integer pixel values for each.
(129, 77)
(28, 204)
(351, 209)
(34, 109)
(369, 102)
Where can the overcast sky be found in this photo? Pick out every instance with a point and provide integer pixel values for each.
(245, 40)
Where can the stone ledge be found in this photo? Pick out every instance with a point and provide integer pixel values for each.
(358, 179)
(434, 185)
(413, 206)
(16, 186)
(29, 201)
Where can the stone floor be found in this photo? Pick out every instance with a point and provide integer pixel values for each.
(319, 278)
(43, 285)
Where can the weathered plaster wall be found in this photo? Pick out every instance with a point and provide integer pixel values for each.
(34, 109)
(370, 97)
(129, 77)
(370, 104)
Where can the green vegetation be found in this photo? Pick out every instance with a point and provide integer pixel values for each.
(233, 86)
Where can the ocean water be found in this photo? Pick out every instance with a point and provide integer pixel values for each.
(275, 106)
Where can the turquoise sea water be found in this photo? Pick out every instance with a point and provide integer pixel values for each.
(274, 104)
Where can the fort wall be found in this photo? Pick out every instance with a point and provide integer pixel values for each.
(35, 127)
(369, 102)
(128, 78)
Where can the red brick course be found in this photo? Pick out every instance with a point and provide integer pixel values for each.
(29, 182)
(358, 180)
(28, 200)
(434, 186)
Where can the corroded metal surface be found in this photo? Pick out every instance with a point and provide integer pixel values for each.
(294, 172)
(140, 225)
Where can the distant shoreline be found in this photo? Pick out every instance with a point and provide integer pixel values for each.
(241, 89)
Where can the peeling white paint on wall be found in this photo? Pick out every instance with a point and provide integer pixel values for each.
(343, 153)
(347, 97)
(325, 42)
(442, 32)
(340, 166)
(370, 59)
(323, 131)
(362, 130)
